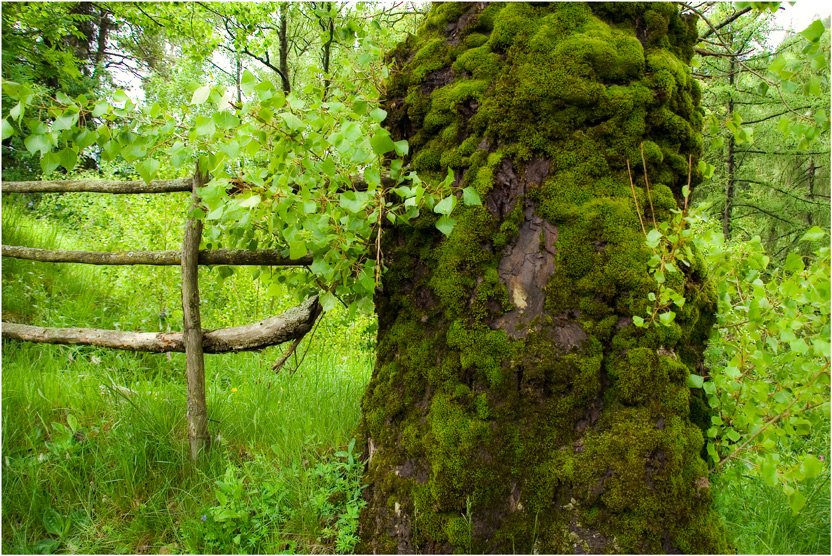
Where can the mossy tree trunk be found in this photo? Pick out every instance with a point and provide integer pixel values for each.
(514, 406)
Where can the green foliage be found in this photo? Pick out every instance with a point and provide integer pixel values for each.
(338, 498)
(769, 354)
(770, 360)
(298, 198)
(249, 510)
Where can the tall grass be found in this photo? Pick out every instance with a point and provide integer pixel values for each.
(98, 437)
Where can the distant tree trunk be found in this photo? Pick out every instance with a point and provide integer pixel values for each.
(730, 182)
(283, 47)
(811, 195)
(514, 407)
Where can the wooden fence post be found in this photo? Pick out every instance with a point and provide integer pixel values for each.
(198, 436)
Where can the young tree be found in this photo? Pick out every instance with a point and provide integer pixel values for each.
(515, 406)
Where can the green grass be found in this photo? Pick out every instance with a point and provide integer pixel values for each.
(113, 464)
(98, 436)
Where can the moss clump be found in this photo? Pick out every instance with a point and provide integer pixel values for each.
(514, 406)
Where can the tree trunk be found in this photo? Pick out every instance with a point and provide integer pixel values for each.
(730, 170)
(514, 407)
(811, 195)
(283, 47)
(198, 435)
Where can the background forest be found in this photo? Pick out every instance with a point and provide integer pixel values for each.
(94, 447)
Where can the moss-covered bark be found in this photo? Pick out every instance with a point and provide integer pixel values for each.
(514, 406)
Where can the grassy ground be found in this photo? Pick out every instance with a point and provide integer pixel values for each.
(95, 458)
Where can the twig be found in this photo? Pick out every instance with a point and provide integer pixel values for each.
(633, 188)
(647, 183)
(278, 365)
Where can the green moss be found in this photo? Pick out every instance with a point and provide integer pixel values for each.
(584, 418)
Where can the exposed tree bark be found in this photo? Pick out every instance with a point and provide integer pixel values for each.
(283, 48)
(98, 186)
(264, 257)
(290, 325)
(514, 406)
(192, 330)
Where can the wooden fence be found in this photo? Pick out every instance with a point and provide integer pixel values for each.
(193, 340)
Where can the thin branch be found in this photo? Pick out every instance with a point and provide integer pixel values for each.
(764, 211)
(730, 19)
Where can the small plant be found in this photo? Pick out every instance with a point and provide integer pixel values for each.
(60, 526)
(338, 499)
(247, 513)
(67, 440)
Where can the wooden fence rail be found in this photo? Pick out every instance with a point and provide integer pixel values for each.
(193, 340)
(265, 257)
(289, 325)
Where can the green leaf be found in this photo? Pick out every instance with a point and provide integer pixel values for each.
(359, 107)
(297, 249)
(353, 201)
(799, 346)
(814, 31)
(292, 121)
(63, 98)
(796, 499)
(100, 108)
(378, 115)
(402, 147)
(794, 263)
(319, 266)
(147, 169)
(232, 149)
(225, 119)
(53, 522)
(72, 422)
(8, 129)
(205, 126)
(812, 466)
(814, 234)
(445, 225)
(17, 112)
(46, 546)
(381, 142)
(471, 197)
(445, 206)
(328, 301)
(248, 82)
(35, 143)
(769, 472)
(251, 202)
(653, 238)
(68, 158)
(65, 121)
(638, 321)
(201, 95)
(695, 381)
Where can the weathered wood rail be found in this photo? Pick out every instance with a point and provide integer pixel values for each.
(193, 340)
(206, 257)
